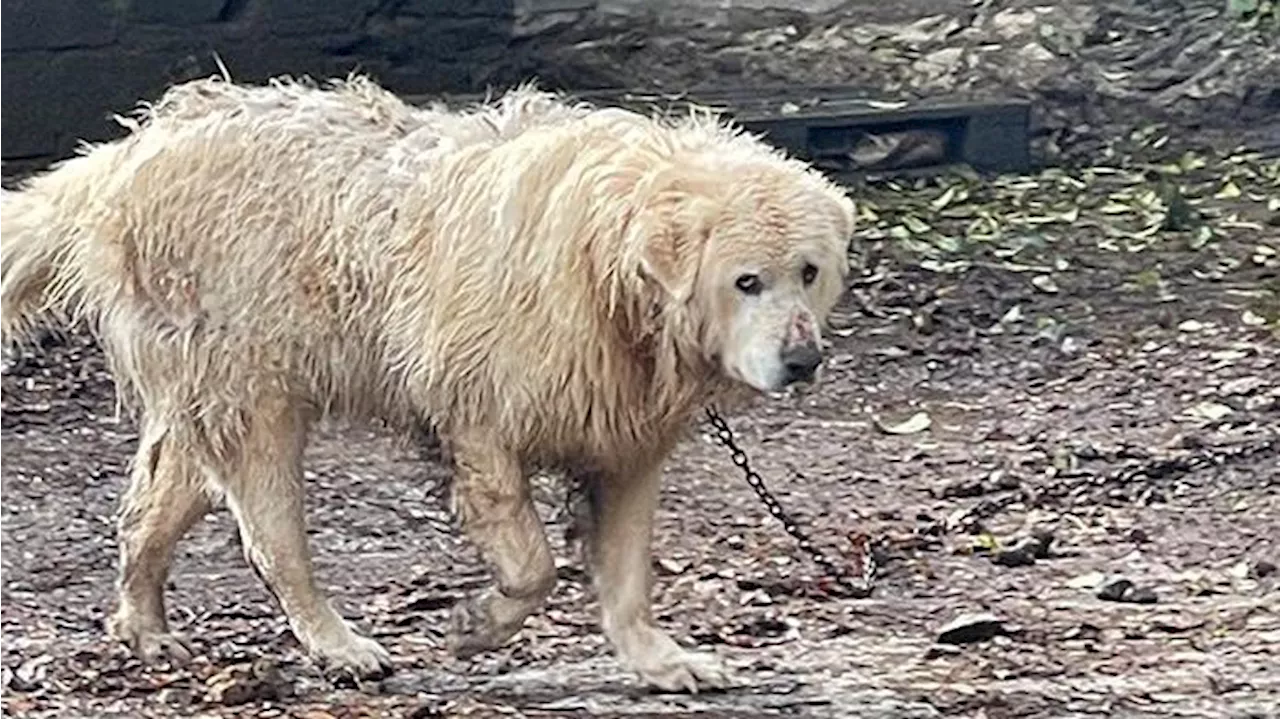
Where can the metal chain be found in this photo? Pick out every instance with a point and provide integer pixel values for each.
(861, 586)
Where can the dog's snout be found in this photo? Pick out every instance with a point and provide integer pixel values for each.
(801, 361)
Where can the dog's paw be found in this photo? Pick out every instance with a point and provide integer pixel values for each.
(663, 664)
(470, 630)
(354, 654)
(159, 647)
(152, 646)
(685, 671)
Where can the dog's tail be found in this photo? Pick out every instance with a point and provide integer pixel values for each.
(36, 245)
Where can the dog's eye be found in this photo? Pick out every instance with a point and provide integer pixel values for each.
(749, 284)
(809, 274)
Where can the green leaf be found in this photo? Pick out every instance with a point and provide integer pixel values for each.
(916, 225)
(1229, 191)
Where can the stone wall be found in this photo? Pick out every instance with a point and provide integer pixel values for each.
(69, 64)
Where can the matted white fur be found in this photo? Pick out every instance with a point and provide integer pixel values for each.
(545, 284)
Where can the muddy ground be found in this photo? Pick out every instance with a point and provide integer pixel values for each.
(1111, 385)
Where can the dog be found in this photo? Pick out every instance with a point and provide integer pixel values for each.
(542, 283)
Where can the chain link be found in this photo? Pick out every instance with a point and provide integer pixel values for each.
(860, 586)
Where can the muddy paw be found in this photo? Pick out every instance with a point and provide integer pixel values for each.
(160, 647)
(353, 654)
(685, 671)
(152, 646)
(470, 630)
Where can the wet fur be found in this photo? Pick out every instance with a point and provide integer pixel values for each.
(526, 278)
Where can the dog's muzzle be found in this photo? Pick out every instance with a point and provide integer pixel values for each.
(799, 362)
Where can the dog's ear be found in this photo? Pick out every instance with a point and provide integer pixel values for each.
(848, 216)
(846, 222)
(678, 227)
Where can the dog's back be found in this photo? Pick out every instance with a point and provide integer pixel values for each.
(233, 226)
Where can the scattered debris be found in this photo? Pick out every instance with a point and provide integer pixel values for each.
(1091, 580)
(968, 628)
(30, 674)
(918, 422)
(247, 682)
(1026, 550)
(1119, 589)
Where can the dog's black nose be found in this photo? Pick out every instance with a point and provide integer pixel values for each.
(800, 362)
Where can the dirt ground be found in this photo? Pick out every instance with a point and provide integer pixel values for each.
(1120, 395)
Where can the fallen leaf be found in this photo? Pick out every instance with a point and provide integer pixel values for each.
(1190, 326)
(1229, 191)
(918, 422)
(1013, 315)
(1086, 581)
(1212, 411)
(1045, 283)
(1252, 319)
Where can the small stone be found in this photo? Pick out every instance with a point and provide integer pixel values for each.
(671, 567)
(175, 697)
(1263, 568)
(971, 628)
(1113, 590)
(1043, 538)
(1020, 555)
(1026, 550)
(1087, 451)
(1120, 589)
(1137, 535)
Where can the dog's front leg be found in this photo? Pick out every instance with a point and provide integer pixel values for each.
(622, 508)
(491, 498)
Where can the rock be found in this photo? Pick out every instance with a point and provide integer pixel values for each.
(1251, 569)
(1119, 589)
(1020, 555)
(1113, 590)
(181, 697)
(968, 628)
(1043, 538)
(1026, 550)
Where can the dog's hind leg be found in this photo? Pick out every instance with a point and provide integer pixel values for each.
(492, 500)
(166, 496)
(264, 489)
(622, 508)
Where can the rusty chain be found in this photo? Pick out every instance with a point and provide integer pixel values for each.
(859, 587)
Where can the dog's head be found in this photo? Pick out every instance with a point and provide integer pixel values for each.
(754, 262)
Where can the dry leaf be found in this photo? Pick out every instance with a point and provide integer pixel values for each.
(918, 422)
(1212, 411)
(1045, 283)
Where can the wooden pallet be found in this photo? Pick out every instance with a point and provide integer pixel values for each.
(845, 130)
